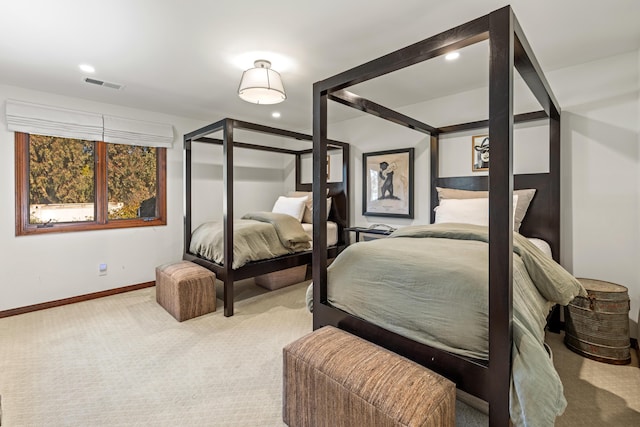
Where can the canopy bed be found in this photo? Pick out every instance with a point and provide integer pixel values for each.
(488, 378)
(226, 268)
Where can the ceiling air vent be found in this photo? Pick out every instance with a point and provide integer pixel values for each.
(102, 83)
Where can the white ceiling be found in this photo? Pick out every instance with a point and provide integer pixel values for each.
(186, 57)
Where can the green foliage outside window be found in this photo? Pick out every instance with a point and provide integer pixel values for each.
(62, 172)
(131, 178)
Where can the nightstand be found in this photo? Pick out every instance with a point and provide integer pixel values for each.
(366, 230)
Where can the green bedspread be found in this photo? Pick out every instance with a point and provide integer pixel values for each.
(430, 283)
(257, 236)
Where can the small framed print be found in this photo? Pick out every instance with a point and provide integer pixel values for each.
(388, 183)
(480, 153)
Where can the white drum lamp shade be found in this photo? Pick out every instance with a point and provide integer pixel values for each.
(261, 85)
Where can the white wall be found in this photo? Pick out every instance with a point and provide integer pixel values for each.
(49, 267)
(259, 178)
(601, 171)
(600, 185)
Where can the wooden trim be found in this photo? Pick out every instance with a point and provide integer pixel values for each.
(73, 300)
(22, 181)
(72, 227)
(501, 92)
(227, 215)
(319, 257)
(218, 141)
(531, 71)
(434, 158)
(186, 196)
(161, 187)
(101, 194)
(480, 124)
(239, 124)
(359, 103)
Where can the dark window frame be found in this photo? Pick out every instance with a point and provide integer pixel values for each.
(101, 222)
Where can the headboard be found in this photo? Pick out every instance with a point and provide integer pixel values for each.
(542, 219)
(338, 191)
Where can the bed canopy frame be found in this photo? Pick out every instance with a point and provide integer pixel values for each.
(490, 380)
(337, 190)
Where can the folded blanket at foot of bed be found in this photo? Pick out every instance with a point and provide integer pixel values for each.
(257, 236)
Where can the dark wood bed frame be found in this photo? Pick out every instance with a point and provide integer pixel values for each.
(509, 48)
(337, 190)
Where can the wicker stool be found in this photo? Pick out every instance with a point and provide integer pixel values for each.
(186, 290)
(332, 378)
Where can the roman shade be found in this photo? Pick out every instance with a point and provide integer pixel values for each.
(119, 130)
(61, 122)
(42, 120)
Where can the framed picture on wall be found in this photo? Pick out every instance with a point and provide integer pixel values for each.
(480, 153)
(387, 179)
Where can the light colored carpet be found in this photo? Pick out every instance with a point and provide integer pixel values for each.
(598, 394)
(124, 361)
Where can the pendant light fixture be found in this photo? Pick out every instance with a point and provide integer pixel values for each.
(261, 84)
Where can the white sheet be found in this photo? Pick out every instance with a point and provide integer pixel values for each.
(542, 245)
(332, 232)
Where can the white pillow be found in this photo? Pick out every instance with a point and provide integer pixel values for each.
(293, 206)
(307, 215)
(467, 211)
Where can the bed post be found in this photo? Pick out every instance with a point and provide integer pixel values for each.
(501, 45)
(227, 214)
(319, 260)
(186, 199)
(435, 172)
(554, 172)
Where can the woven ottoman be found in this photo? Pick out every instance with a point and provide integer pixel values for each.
(186, 290)
(333, 378)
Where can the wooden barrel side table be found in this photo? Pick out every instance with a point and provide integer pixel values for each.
(597, 326)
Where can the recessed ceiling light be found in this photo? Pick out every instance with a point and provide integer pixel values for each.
(87, 68)
(275, 115)
(451, 56)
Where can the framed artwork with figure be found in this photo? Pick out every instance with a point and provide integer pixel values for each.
(387, 179)
(480, 153)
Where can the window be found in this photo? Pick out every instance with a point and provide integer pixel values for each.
(65, 184)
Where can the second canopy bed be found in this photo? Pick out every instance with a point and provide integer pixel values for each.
(215, 244)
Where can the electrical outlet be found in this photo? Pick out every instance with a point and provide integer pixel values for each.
(102, 270)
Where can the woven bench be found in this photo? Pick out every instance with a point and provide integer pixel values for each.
(186, 290)
(333, 378)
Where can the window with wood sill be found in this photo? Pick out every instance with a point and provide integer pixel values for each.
(65, 184)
